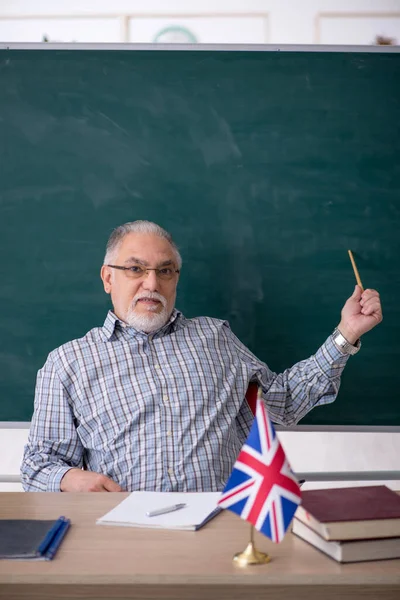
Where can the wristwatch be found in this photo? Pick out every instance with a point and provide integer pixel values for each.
(343, 345)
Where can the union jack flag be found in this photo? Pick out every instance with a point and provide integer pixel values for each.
(262, 488)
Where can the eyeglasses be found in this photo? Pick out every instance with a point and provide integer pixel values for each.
(136, 271)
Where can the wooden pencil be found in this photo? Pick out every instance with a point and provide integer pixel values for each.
(356, 273)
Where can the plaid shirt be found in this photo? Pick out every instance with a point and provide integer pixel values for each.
(161, 411)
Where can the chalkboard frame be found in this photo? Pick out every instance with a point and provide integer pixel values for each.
(199, 47)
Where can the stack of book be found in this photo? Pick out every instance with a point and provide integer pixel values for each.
(351, 524)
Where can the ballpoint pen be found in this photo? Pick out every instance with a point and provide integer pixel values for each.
(163, 511)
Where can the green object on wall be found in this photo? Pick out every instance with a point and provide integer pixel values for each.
(265, 166)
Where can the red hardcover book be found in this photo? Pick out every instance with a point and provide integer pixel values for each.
(351, 513)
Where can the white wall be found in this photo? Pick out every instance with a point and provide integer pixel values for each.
(307, 451)
(219, 21)
(210, 21)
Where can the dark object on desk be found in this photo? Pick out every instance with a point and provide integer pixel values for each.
(351, 513)
(31, 539)
(349, 550)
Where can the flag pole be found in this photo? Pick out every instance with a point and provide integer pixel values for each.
(250, 555)
(261, 488)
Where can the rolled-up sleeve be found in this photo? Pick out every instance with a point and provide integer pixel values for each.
(53, 444)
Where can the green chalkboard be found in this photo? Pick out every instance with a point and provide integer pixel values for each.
(266, 166)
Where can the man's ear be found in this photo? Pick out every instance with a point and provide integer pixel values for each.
(105, 274)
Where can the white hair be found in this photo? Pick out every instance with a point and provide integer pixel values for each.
(120, 232)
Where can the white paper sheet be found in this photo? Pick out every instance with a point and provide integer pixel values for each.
(132, 511)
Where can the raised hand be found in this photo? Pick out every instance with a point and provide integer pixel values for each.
(362, 312)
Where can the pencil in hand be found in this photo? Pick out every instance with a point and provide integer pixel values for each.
(356, 273)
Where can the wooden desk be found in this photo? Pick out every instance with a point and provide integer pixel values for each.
(121, 562)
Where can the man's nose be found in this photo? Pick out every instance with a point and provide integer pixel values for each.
(150, 281)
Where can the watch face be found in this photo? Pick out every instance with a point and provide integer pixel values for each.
(175, 34)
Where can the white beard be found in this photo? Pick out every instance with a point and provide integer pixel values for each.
(151, 320)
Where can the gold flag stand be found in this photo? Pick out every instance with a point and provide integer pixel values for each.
(251, 556)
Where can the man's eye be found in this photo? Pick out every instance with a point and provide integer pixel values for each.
(165, 271)
(136, 269)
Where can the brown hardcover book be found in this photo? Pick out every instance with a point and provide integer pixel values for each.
(349, 550)
(351, 513)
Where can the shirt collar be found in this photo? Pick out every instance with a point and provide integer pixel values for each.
(112, 322)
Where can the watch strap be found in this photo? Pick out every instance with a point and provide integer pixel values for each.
(343, 345)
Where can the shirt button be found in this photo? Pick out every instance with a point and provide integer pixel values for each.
(169, 433)
(157, 366)
(170, 471)
(165, 398)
